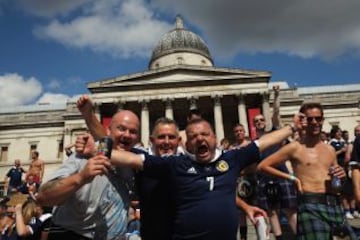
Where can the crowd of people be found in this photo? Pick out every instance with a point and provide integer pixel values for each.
(346, 156)
(185, 186)
(21, 216)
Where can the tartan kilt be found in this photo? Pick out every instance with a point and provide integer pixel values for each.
(316, 221)
(287, 198)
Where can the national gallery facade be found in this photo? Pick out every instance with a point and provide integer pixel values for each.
(181, 75)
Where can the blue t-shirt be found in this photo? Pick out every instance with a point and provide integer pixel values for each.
(35, 226)
(337, 145)
(156, 205)
(204, 194)
(15, 175)
(157, 210)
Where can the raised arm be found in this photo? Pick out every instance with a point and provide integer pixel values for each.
(121, 158)
(275, 137)
(85, 106)
(276, 122)
(21, 227)
(57, 191)
(278, 136)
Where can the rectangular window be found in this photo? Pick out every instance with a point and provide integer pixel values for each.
(33, 147)
(4, 154)
(60, 150)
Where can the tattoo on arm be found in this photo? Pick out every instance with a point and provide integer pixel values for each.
(49, 186)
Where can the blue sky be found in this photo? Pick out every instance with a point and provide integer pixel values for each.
(50, 49)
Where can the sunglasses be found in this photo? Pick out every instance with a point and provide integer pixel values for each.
(259, 120)
(317, 119)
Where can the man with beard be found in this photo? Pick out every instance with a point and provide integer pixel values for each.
(92, 198)
(319, 212)
(203, 185)
(156, 204)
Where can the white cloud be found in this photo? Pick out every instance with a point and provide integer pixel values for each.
(53, 98)
(17, 90)
(325, 28)
(131, 28)
(119, 28)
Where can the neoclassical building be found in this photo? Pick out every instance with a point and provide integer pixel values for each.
(181, 75)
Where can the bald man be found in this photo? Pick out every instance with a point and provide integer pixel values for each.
(90, 198)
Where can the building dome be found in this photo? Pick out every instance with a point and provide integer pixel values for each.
(180, 46)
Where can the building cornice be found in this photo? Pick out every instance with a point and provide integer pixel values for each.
(153, 77)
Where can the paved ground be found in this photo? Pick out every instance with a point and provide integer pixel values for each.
(287, 231)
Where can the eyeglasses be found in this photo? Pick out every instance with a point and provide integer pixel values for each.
(259, 120)
(317, 119)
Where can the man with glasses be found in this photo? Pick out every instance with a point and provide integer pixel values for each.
(314, 162)
(203, 183)
(274, 194)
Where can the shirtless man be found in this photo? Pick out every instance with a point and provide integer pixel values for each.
(314, 163)
(36, 167)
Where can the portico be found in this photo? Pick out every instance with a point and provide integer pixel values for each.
(223, 100)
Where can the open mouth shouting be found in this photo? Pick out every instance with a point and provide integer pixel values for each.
(202, 152)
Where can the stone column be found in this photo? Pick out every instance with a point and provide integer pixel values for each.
(218, 119)
(266, 110)
(145, 123)
(242, 113)
(168, 109)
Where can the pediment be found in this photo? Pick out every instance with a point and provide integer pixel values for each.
(177, 76)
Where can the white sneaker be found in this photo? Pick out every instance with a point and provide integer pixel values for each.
(356, 214)
(349, 216)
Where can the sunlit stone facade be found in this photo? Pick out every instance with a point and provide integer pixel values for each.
(180, 75)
